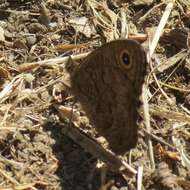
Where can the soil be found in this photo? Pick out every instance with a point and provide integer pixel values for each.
(35, 152)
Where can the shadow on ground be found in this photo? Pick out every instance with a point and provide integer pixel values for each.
(76, 168)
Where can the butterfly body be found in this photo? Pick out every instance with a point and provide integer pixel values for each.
(108, 84)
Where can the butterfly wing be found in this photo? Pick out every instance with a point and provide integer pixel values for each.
(108, 95)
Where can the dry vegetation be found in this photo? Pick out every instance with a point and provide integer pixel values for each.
(36, 39)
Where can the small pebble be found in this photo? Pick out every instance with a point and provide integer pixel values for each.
(30, 40)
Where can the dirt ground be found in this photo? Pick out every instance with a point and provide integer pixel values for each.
(35, 151)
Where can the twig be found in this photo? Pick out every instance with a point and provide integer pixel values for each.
(160, 28)
(169, 74)
(147, 124)
(50, 62)
(11, 162)
(124, 27)
(161, 67)
(161, 141)
(150, 53)
(145, 15)
(10, 88)
(185, 109)
(174, 87)
(12, 180)
(139, 177)
(8, 107)
(95, 149)
(160, 87)
(168, 114)
(21, 187)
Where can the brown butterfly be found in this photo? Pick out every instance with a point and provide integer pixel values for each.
(108, 84)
